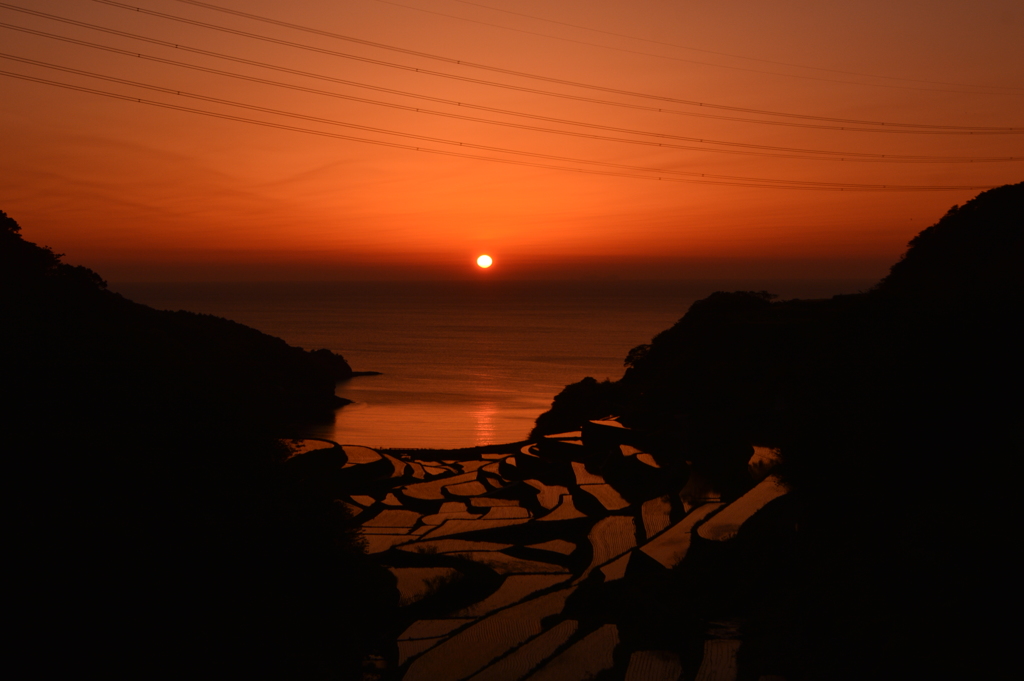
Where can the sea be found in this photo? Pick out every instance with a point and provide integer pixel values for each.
(461, 364)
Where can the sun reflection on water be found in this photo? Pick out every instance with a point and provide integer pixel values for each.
(483, 415)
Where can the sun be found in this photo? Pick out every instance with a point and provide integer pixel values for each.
(484, 261)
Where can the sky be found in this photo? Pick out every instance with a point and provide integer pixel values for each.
(168, 140)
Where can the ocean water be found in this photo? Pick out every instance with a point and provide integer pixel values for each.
(462, 364)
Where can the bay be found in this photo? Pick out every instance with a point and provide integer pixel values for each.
(462, 363)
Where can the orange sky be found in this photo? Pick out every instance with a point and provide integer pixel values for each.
(140, 192)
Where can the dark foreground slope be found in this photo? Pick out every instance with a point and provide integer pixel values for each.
(158, 525)
(898, 414)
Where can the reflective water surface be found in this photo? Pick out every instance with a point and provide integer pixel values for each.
(462, 364)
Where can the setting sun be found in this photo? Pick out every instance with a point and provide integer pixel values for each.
(725, 237)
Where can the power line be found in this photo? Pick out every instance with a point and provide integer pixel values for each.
(796, 153)
(366, 128)
(705, 178)
(523, 74)
(394, 145)
(692, 61)
(519, 88)
(721, 54)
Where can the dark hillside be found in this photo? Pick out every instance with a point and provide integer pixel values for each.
(61, 320)
(158, 528)
(973, 253)
(898, 413)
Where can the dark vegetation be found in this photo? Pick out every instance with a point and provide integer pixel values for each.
(899, 415)
(159, 525)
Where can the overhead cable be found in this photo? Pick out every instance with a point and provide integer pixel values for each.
(701, 63)
(518, 88)
(793, 153)
(692, 176)
(394, 145)
(721, 54)
(522, 74)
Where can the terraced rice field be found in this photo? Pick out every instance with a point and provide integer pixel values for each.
(654, 665)
(719, 663)
(430, 546)
(464, 526)
(514, 589)
(727, 523)
(606, 495)
(359, 455)
(397, 467)
(585, 477)
(549, 496)
(529, 656)
(416, 470)
(513, 550)
(506, 512)
(670, 547)
(617, 568)
(565, 510)
(584, 660)
(482, 643)
(431, 628)
(647, 459)
(468, 466)
(504, 564)
(655, 514)
(472, 488)
(610, 538)
(440, 518)
(556, 545)
(379, 543)
(393, 518)
(488, 502)
(433, 490)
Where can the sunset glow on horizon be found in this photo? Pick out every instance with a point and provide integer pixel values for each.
(193, 140)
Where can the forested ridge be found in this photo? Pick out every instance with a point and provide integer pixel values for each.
(897, 412)
(159, 524)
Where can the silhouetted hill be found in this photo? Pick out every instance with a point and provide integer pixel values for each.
(159, 529)
(63, 321)
(973, 253)
(763, 366)
(898, 414)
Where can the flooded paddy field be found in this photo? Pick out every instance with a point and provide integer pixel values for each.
(545, 560)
